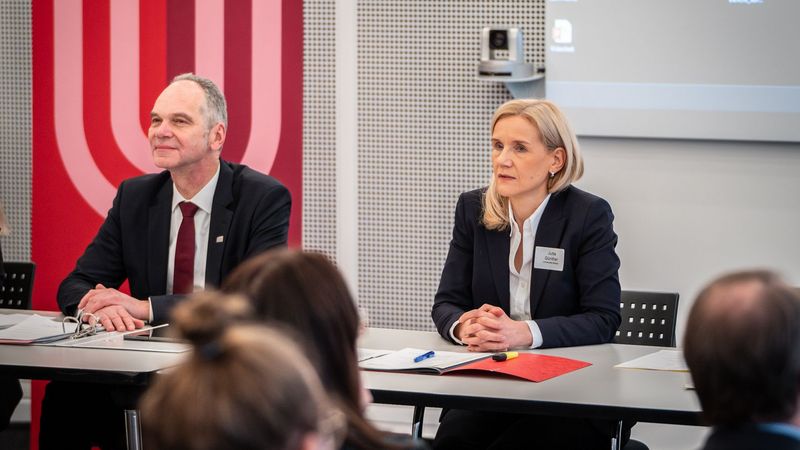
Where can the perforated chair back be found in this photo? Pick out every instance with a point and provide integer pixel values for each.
(17, 285)
(648, 318)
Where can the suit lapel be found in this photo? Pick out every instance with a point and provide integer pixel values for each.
(499, 244)
(548, 234)
(221, 215)
(159, 217)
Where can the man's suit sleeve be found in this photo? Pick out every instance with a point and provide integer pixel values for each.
(101, 262)
(454, 296)
(597, 276)
(270, 221)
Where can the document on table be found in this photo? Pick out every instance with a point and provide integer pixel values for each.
(115, 340)
(369, 353)
(525, 366)
(404, 360)
(36, 329)
(6, 320)
(671, 360)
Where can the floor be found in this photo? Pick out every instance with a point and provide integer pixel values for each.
(655, 436)
(398, 419)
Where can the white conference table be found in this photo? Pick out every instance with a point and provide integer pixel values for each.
(121, 366)
(598, 391)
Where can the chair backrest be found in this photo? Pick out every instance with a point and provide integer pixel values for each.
(17, 286)
(648, 318)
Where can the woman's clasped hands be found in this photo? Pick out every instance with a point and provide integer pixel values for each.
(489, 328)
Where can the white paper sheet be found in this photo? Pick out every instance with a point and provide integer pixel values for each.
(671, 360)
(7, 320)
(36, 327)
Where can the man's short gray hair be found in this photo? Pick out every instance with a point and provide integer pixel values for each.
(217, 107)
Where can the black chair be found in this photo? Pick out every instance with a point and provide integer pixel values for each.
(17, 285)
(648, 318)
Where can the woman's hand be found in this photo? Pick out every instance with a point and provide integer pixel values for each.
(489, 328)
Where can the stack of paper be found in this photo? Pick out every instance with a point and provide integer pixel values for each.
(36, 329)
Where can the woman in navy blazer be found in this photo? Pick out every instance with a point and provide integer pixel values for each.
(532, 260)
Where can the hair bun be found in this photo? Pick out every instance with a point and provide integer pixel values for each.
(205, 316)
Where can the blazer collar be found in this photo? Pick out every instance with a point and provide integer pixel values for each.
(221, 215)
(499, 245)
(159, 216)
(549, 234)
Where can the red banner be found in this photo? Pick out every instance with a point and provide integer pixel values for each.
(98, 66)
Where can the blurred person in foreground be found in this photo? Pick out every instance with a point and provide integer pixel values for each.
(244, 387)
(742, 346)
(304, 294)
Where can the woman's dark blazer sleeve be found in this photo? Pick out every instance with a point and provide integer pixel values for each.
(454, 296)
(576, 306)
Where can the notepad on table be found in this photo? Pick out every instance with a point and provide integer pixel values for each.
(527, 366)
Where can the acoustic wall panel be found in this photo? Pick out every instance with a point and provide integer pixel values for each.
(319, 126)
(15, 126)
(423, 137)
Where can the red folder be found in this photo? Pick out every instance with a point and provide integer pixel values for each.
(527, 366)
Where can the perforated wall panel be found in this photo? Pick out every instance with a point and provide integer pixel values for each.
(15, 126)
(423, 138)
(319, 126)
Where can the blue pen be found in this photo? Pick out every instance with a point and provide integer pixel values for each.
(424, 356)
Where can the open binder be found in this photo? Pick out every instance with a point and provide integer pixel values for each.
(527, 366)
(36, 329)
(72, 332)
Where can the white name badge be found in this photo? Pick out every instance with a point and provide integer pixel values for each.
(548, 258)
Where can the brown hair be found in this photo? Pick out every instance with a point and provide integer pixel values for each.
(555, 132)
(304, 292)
(742, 345)
(239, 389)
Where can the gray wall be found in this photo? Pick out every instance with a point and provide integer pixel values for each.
(688, 210)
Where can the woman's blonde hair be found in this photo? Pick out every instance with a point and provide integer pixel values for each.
(4, 230)
(555, 132)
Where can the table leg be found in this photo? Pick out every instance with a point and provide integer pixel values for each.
(133, 429)
(416, 422)
(616, 441)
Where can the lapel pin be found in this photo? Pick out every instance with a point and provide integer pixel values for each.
(220, 239)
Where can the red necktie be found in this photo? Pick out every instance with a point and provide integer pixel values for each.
(183, 275)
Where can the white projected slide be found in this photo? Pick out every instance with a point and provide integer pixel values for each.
(693, 69)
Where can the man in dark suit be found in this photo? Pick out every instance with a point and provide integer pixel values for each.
(742, 345)
(167, 234)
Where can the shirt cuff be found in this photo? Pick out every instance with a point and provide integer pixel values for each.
(150, 303)
(536, 333)
(453, 335)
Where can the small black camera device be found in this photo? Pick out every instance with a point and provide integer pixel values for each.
(502, 55)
